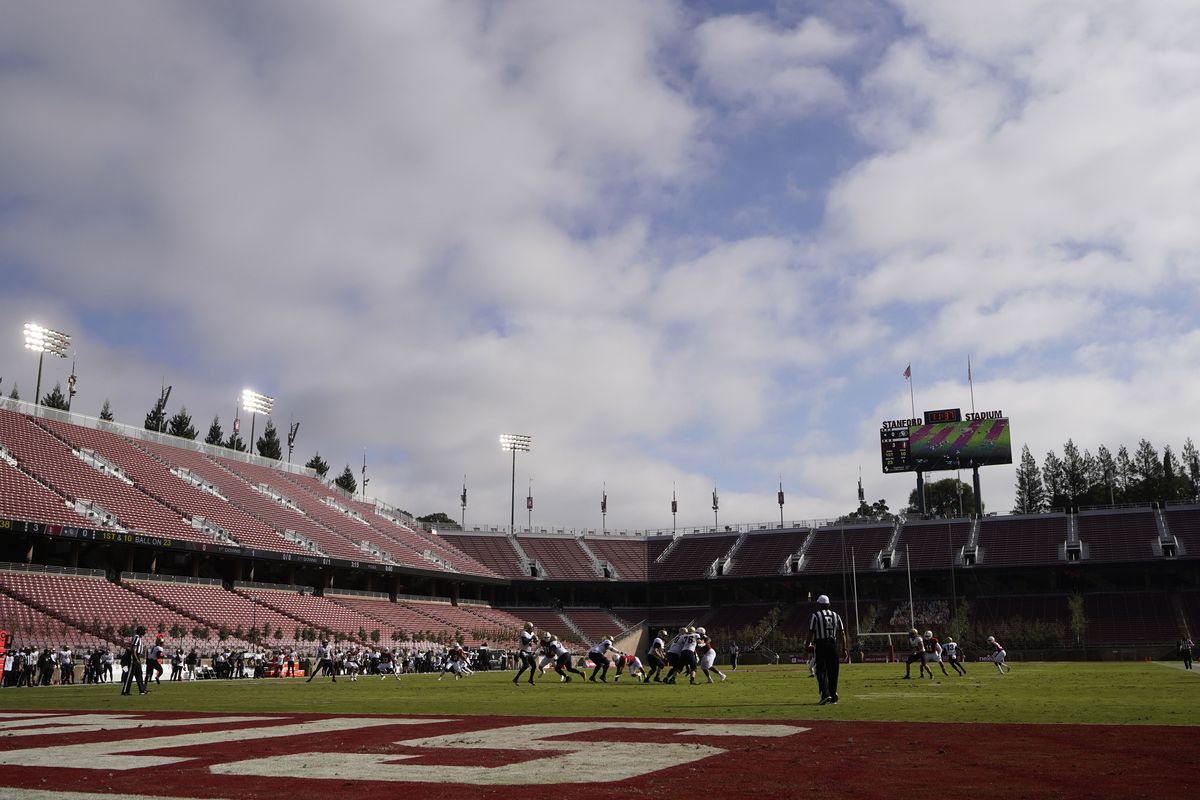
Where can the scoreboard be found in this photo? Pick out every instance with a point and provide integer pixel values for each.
(893, 444)
(945, 439)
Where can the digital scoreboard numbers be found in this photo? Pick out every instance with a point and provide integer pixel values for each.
(893, 445)
(943, 415)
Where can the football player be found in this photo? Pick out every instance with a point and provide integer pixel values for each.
(526, 653)
(998, 656)
(562, 661)
(656, 657)
(933, 652)
(634, 664)
(950, 648)
(916, 653)
(708, 655)
(599, 658)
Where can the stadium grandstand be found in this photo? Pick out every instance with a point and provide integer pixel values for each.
(105, 526)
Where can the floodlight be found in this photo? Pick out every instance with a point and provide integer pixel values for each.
(513, 442)
(257, 403)
(41, 341)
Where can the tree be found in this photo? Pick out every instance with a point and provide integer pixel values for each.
(181, 424)
(235, 442)
(14, 394)
(346, 480)
(1106, 469)
(869, 512)
(1147, 473)
(318, 464)
(55, 398)
(437, 518)
(1074, 473)
(1191, 467)
(946, 498)
(156, 417)
(1031, 493)
(106, 413)
(1124, 474)
(1175, 482)
(1052, 477)
(215, 434)
(268, 444)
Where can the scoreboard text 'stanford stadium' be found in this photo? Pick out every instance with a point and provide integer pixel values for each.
(908, 423)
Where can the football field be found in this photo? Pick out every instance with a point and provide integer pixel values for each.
(1045, 730)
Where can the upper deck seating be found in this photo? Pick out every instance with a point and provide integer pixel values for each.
(495, 551)
(1021, 541)
(561, 557)
(933, 545)
(21, 497)
(766, 553)
(692, 557)
(156, 479)
(627, 556)
(1118, 535)
(54, 464)
(833, 549)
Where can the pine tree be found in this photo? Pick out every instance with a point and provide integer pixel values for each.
(1191, 467)
(1052, 477)
(14, 394)
(55, 398)
(1125, 477)
(181, 425)
(1074, 476)
(215, 434)
(318, 464)
(106, 411)
(346, 480)
(1031, 493)
(235, 442)
(268, 445)
(1175, 484)
(1106, 467)
(156, 417)
(1147, 473)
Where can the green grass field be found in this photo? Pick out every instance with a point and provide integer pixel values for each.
(1126, 693)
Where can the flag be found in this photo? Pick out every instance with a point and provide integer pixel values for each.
(908, 372)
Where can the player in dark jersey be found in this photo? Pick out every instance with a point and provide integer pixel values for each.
(526, 654)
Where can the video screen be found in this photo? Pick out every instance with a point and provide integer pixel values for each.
(959, 445)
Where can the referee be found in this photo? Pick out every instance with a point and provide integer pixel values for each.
(825, 629)
(134, 654)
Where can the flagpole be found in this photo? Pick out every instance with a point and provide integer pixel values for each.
(971, 383)
(911, 397)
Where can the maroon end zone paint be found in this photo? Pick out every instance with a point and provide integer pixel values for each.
(244, 756)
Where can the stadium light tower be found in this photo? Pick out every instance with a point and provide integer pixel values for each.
(256, 404)
(41, 341)
(514, 443)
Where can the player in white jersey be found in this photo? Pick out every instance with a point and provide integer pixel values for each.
(916, 654)
(599, 658)
(950, 649)
(998, 656)
(656, 657)
(708, 655)
(674, 656)
(562, 661)
(526, 653)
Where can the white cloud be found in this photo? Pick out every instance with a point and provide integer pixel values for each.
(750, 63)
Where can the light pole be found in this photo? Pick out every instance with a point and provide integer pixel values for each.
(256, 404)
(514, 443)
(716, 505)
(780, 499)
(41, 341)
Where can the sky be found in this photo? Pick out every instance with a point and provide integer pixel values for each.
(681, 245)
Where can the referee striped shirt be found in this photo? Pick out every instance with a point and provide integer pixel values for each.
(825, 625)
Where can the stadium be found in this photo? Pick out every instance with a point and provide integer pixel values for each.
(657, 248)
(108, 527)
